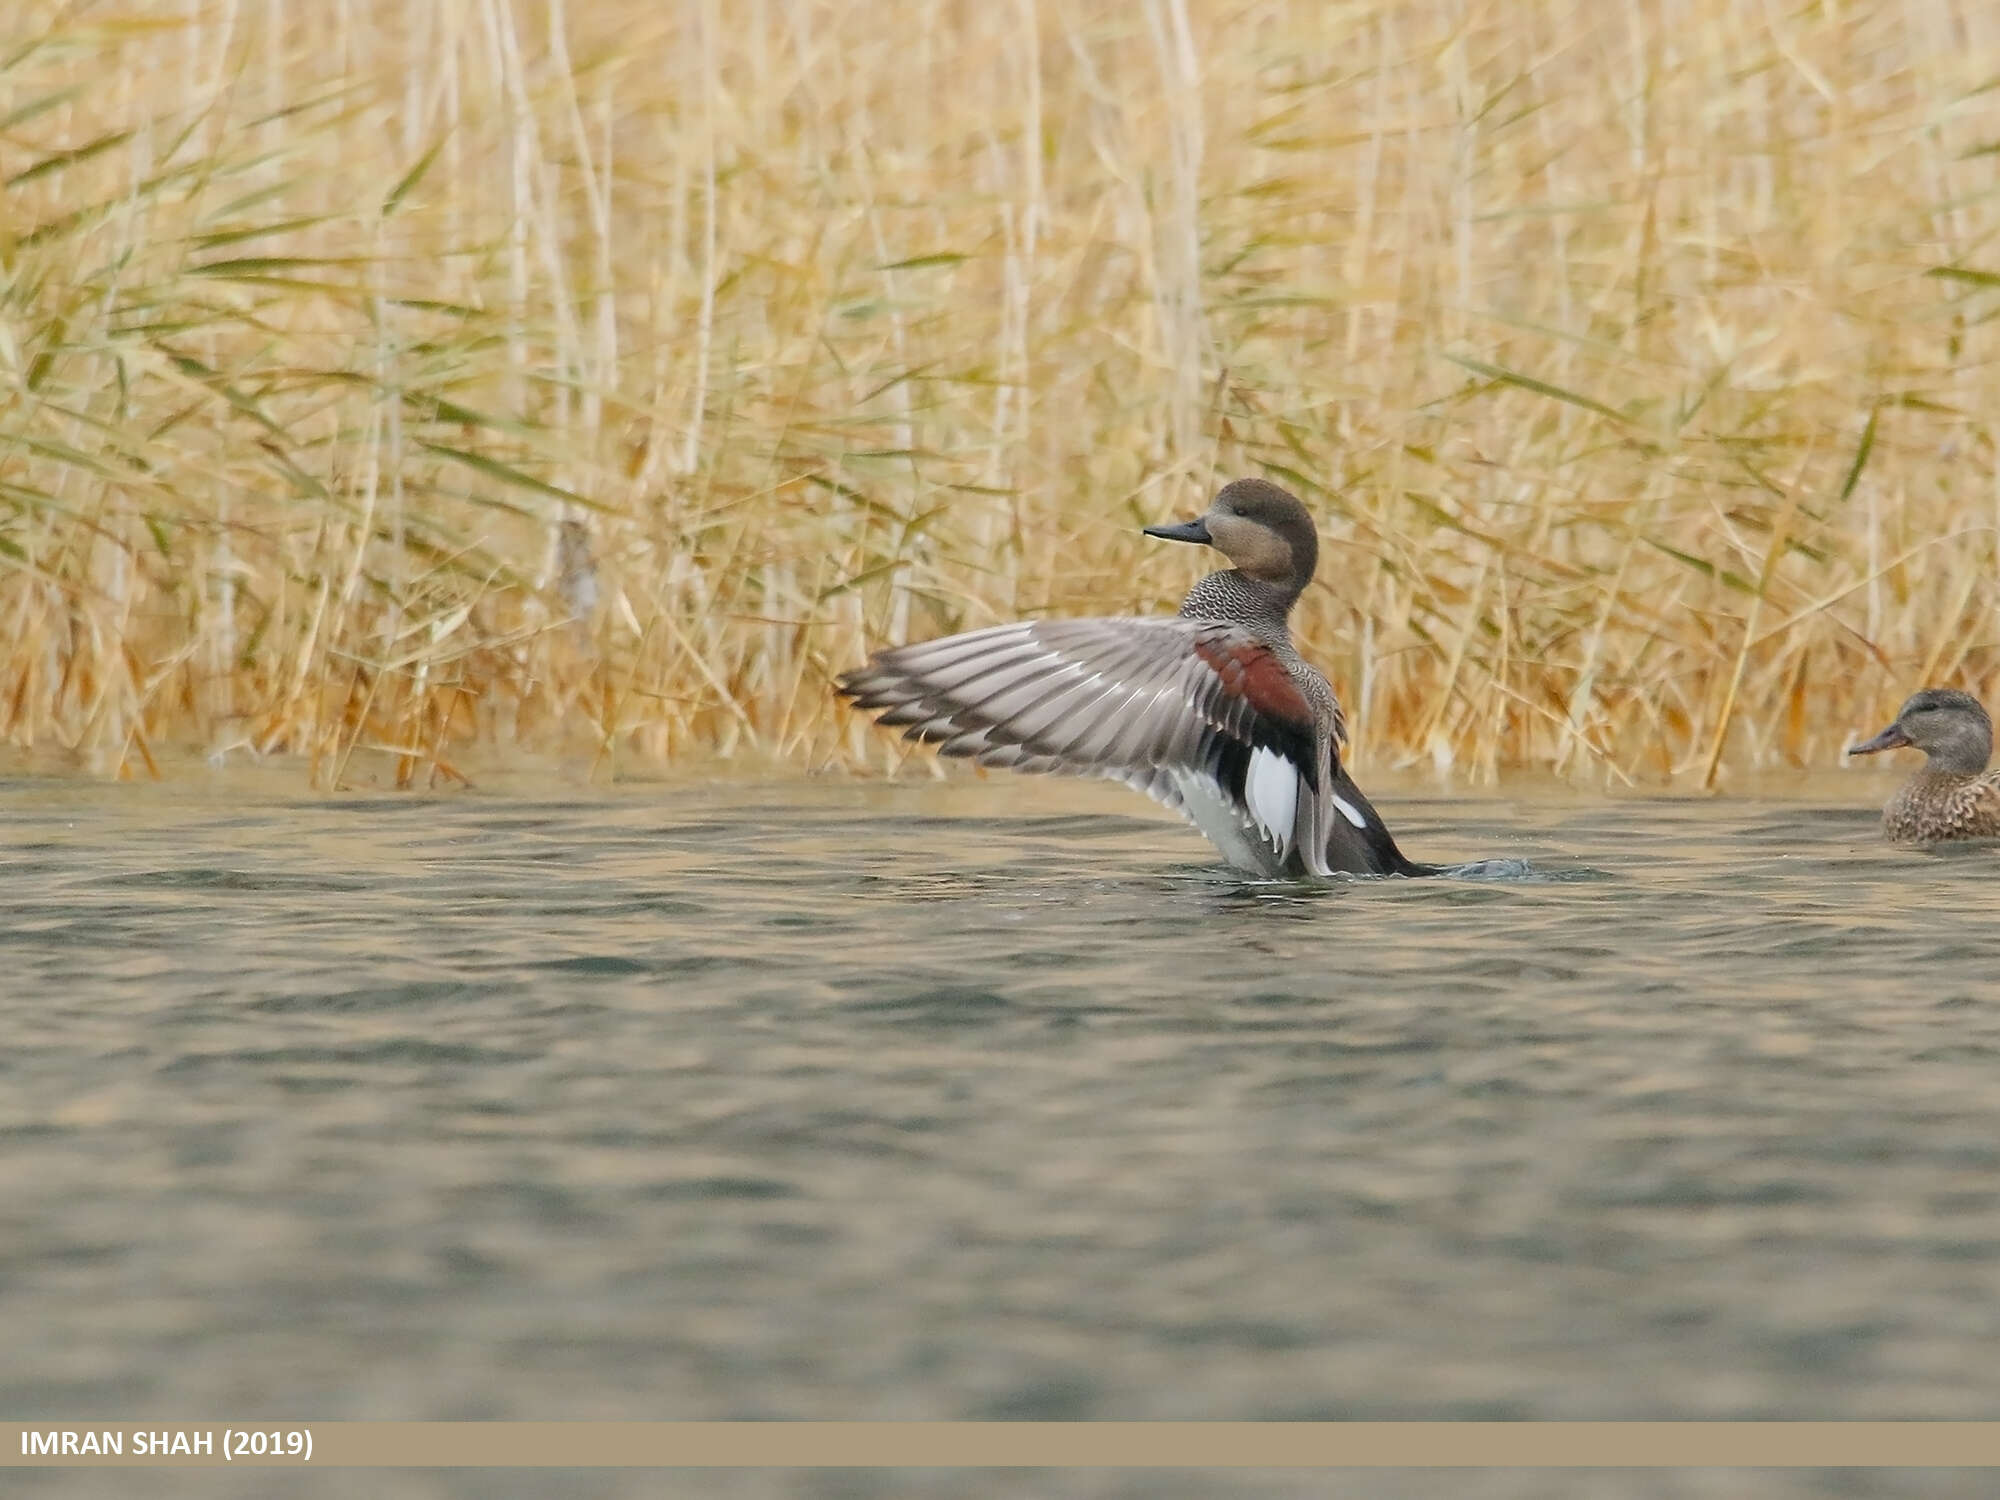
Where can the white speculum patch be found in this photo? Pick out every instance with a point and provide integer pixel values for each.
(1222, 820)
(1271, 788)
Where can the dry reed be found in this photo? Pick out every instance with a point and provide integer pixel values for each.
(381, 380)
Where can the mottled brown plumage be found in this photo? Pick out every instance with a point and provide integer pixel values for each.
(1954, 796)
(1212, 712)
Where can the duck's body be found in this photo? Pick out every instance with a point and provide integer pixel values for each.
(1954, 796)
(1212, 712)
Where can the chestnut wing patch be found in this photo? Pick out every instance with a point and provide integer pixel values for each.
(1249, 671)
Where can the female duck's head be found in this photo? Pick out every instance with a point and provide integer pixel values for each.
(1950, 727)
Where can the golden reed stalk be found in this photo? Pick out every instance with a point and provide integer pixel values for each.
(417, 381)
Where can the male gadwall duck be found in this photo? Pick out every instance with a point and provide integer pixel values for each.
(1954, 796)
(1213, 713)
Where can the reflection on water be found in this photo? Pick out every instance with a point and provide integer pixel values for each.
(841, 1100)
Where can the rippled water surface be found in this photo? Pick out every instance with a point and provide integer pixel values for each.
(824, 1099)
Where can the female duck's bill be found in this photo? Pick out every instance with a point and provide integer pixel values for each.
(1953, 796)
(1212, 712)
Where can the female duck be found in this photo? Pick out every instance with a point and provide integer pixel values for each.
(1954, 796)
(1213, 712)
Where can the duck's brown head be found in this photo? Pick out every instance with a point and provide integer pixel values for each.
(1259, 527)
(1950, 727)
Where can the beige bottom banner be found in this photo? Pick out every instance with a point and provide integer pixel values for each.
(1004, 1444)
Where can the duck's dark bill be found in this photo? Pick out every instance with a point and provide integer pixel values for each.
(1891, 738)
(1184, 531)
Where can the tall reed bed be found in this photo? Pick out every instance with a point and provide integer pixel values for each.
(382, 382)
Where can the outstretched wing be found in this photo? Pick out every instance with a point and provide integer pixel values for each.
(1196, 713)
